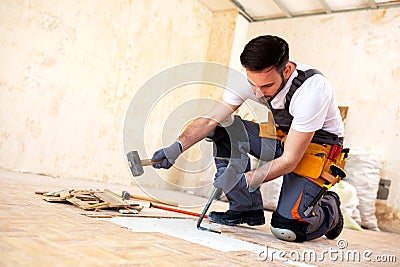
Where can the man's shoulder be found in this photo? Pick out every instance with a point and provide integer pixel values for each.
(237, 94)
(314, 86)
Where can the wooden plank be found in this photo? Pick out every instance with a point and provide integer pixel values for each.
(85, 197)
(86, 191)
(115, 197)
(84, 205)
(101, 205)
(97, 215)
(55, 193)
(54, 199)
(111, 199)
(65, 194)
(41, 192)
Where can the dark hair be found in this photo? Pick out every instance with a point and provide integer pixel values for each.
(265, 51)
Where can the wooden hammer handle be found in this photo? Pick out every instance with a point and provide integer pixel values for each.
(149, 162)
(154, 200)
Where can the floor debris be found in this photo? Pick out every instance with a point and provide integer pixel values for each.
(92, 200)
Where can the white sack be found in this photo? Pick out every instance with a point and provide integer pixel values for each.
(348, 204)
(363, 169)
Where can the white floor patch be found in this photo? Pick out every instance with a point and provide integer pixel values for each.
(186, 230)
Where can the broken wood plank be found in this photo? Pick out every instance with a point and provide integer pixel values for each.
(55, 193)
(84, 205)
(65, 194)
(97, 215)
(85, 197)
(41, 192)
(86, 191)
(54, 199)
(114, 201)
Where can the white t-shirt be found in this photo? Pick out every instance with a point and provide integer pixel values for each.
(313, 105)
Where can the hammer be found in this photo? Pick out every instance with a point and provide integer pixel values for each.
(136, 164)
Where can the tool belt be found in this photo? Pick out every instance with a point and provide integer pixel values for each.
(270, 130)
(318, 160)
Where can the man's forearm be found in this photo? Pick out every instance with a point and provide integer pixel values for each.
(295, 146)
(202, 126)
(196, 131)
(270, 171)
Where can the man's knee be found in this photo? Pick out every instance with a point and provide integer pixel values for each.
(288, 229)
(220, 138)
(230, 141)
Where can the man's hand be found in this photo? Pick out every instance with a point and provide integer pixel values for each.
(228, 177)
(251, 184)
(167, 156)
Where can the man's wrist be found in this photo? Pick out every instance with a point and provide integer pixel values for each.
(180, 145)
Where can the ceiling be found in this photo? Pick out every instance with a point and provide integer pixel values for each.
(261, 10)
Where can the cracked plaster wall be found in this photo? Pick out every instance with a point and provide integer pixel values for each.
(69, 70)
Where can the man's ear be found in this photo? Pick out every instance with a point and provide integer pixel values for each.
(287, 71)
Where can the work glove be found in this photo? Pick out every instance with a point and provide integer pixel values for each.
(228, 177)
(167, 156)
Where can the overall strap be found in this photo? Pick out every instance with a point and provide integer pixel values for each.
(297, 82)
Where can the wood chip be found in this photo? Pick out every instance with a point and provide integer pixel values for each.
(65, 194)
(97, 215)
(132, 203)
(128, 211)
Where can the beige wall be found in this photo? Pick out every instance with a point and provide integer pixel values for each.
(192, 100)
(360, 54)
(69, 70)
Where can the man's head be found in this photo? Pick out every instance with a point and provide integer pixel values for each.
(266, 61)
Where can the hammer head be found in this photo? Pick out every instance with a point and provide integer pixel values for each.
(125, 195)
(134, 163)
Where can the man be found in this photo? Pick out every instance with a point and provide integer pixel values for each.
(304, 106)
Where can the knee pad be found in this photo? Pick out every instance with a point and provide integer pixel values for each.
(288, 229)
(283, 234)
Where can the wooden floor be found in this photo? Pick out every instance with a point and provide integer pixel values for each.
(34, 232)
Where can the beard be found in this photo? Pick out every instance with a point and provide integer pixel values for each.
(267, 99)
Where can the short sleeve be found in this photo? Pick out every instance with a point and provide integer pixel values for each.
(310, 104)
